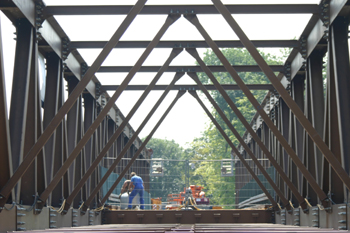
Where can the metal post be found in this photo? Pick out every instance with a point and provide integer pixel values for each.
(341, 75)
(53, 76)
(18, 108)
(27, 189)
(6, 168)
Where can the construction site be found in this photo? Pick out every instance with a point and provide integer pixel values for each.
(163, 116)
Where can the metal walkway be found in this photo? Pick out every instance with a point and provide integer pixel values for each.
(207, 228)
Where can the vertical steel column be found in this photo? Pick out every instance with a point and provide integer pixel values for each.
(297, 91)
(61, 151)
(284, 123)
(110, 132)
(315, 78)
(5, 144)
(331, 182)
(72, 127)
(341, 67)
(53, 76)
(28, 189)
(6, 190)
(79, 166)
(144, 143)
(19, 98)
(336, 165)
(235, 150)
(89, 106)
(119, 149)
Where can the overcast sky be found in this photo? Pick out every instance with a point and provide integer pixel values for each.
(187, 120)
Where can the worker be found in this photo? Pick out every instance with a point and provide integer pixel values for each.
(125, 187)
(189, 201)
(136, 185)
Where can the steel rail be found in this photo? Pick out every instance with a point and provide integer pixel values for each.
(218, 127)
(240, 68)
(31, 155)
(336, 165)
(169, 21)
(184, 44)
(240, 139)
(188, 87)
(323, 197)
(143, 145)
(182, 9)
(249, 128)
(121, 127)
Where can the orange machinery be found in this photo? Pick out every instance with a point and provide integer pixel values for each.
(178, 198)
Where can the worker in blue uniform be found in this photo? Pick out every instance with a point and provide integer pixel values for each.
(136, 185)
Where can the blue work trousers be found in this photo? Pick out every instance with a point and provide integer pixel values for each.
(133, 193)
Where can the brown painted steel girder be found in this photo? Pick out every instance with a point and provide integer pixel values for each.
(144, 143)
(130, 142)
(182, 9)
(194, 20)
(241, 68)
(185, 44)
(218, 127)
(343, 175)
(121, 127)
(238, 137)
(189, 87)
(248, 127)
(5, 191)
(169, 21)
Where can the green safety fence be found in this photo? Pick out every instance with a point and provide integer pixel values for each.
(252, 189)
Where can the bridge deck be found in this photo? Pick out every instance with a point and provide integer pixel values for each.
(183, 228)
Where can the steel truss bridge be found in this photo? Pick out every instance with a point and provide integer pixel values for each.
(49, 162)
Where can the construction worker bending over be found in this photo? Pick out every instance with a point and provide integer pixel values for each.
(125, 188)
(136, 185)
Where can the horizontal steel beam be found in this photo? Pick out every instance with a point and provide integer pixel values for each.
(185, 43)
(106, 69)
(182, 9)
(188, 87)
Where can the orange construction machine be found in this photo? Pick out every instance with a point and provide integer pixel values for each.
(197, 193)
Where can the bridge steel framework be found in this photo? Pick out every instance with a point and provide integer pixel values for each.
(51, 146)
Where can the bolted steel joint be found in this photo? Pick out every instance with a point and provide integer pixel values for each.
(39, 17)
(303, 47)
(325, 12)
(287, 71)
(83, 68)
(65, 47)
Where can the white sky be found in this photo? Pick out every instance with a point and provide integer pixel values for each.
(187, 119)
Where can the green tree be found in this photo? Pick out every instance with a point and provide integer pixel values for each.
(173, 180)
